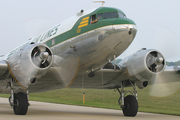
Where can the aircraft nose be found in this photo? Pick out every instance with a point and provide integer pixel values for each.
(124, 27)
(132, 29)
(121, 30)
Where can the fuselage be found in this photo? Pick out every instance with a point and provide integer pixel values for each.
(85, 42)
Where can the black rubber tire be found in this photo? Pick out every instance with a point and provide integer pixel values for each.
(21, 104)
(130, 106)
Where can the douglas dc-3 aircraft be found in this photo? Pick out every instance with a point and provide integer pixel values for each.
(78, 53)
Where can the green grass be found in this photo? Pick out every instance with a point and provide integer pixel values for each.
(109, 99)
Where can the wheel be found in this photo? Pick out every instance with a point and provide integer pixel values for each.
(130, 106)
(20, 104)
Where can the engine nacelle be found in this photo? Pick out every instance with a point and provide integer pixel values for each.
(30, 63)
(143, 65)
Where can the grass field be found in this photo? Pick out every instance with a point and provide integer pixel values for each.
(109, 99)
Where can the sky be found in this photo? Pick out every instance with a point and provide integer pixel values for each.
(157, 21)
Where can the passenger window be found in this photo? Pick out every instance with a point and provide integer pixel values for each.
(110, 15)
(53, 41)
(100, 16)
(121, 15)
(93, 19)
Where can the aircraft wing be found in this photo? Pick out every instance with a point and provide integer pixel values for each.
(109, 78)
(103, 78)
(3, 70)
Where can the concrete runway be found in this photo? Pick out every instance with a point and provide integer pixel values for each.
(49, 111)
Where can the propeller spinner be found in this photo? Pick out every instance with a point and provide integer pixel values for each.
(155, 62)
(41, 56)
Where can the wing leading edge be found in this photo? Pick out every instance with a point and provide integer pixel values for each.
(3, 69)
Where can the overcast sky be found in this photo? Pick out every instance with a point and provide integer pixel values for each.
(158, 21)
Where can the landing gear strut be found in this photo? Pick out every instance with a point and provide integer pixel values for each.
(18, 101)
(129, 103)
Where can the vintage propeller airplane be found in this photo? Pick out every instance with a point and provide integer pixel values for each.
(78, 52)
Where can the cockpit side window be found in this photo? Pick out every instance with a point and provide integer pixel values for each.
(100, 16)
(110, 15)
(93, 18)
(121, 15)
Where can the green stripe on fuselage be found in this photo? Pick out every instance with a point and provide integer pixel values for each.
(100, 23)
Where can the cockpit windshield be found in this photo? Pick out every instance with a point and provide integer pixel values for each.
(100, 16)
(121, 15)
(110, 15)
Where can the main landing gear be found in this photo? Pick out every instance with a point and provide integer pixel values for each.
(129, 103)
(18, 101)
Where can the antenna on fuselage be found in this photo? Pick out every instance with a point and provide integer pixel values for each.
(99, 2)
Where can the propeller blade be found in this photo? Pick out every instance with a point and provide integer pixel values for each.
(163, 88)
(166, 83)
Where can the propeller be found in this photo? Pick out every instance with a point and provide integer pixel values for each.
(41, 56)
(165, 83)
(155, 62)
(162, 88)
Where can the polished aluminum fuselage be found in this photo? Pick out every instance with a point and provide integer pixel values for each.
(82, 54)
(77, 54)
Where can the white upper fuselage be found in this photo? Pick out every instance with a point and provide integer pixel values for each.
(49, 34)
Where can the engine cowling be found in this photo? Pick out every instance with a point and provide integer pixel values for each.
(30, 63)
(143, 65)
